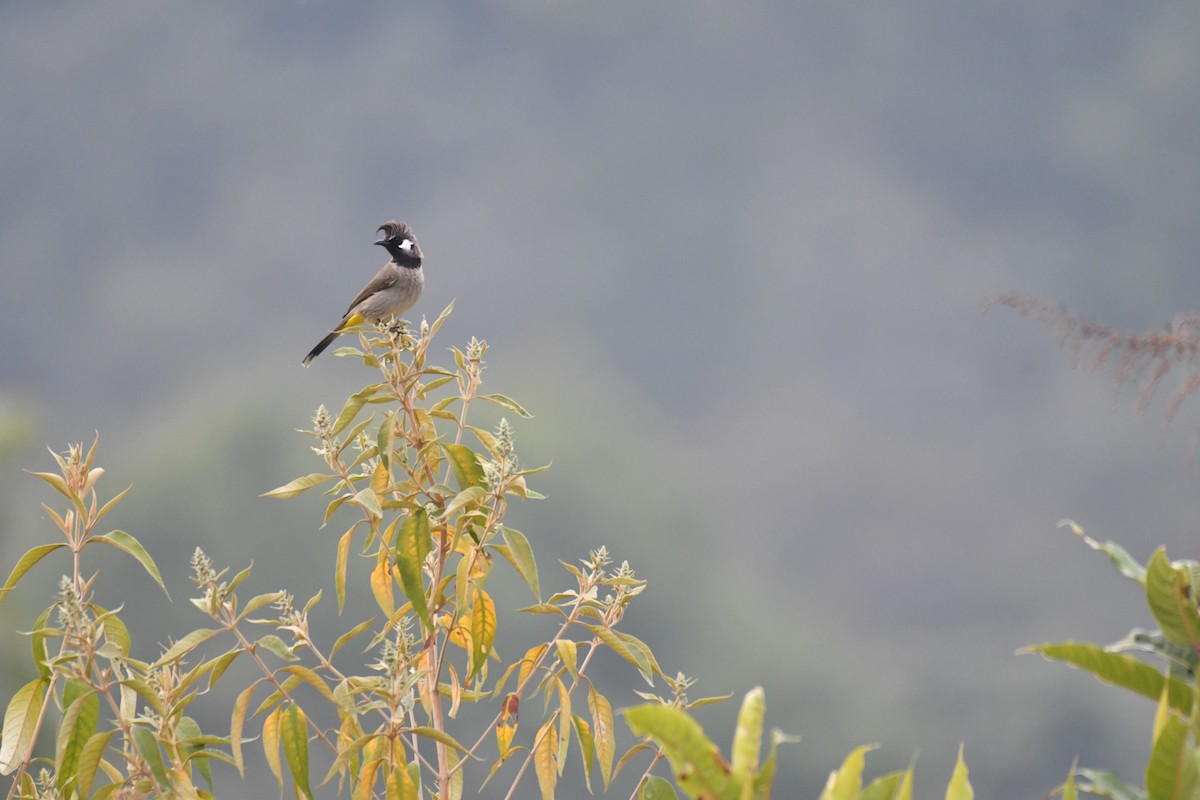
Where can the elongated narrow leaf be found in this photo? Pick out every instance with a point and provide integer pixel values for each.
(77, 726)
(1104, 783)
(747, 737)
(20, 725)
(1126, 564)
(412, 546)
(483, 630)
(350, 634)
(89, 760)
(298, 486)
(766, 774)
(633, 655)
(884, 787)
(270, 742)
(472, 494)
(32, 556)
(1118, 669)
(353, 405)
(123, 541)
(236, 726)
(520, 554)
(294, 735)
(464, 463)
(438, 736)
(960, 784)
(603, 732)
(587, 747)
(507, 403)
(151, 753)
(343, 559)
(846, 783)
(186, 645)
(545, 759)
(400, 784)
(695, 760)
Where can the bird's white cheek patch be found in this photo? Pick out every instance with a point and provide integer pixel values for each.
(406, 245)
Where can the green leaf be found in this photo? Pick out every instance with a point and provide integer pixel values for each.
(353, 405)
(846, 783)
(766, 775)
(20, 725)
(350, 634)
(437, 323)
(147, 747)
(884, 787)
(298, 486)
(1171, 771)
(1104, 783)
(1126, 564)
(76, 728)
(633, 655)
(695, 760)
(31, 557)
(472, 494)
(295, 749)
(1118, 669)
(1069, 790)
(186, 645)
(89, 760)
(438, 736)
(1169, 593)
(464, 463)
(57, 482)
(507, 403)
(587, 747)
(656, 788)
(192, 739)
(123, 541)
(412, 546)
(960, 785)
(369, 502)
(747, 738)
(520, 555)
(277, 647)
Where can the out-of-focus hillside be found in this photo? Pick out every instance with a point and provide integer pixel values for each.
(731, 257)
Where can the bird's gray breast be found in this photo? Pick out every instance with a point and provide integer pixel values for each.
(395, 299)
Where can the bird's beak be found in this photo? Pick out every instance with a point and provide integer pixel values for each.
(382, 242)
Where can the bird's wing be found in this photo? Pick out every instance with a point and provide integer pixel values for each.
(386, 278)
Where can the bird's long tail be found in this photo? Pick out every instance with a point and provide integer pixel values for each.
(348, 322)
(320, 348)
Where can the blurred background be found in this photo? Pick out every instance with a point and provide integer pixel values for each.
(731, 256)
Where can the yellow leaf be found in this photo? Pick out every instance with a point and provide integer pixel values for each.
(532, 656)
(960, 786)
(483, 629)
(509, 712)
(381, 585)
(545, 759)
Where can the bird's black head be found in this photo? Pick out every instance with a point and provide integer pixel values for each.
(398, 239)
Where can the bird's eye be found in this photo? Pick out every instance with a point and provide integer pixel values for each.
(406, 245)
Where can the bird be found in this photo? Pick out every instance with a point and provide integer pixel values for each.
(391, 292)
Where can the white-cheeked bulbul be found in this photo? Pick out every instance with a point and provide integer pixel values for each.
(391, 292)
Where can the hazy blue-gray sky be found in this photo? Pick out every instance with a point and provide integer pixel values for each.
(731, 255)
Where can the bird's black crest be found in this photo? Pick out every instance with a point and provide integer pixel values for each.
(396, 231)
